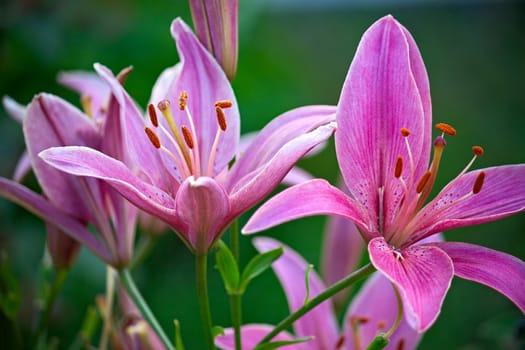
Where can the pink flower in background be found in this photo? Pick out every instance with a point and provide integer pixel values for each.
(383, 146)
(373, 310)
(70, 203)
(181, 170)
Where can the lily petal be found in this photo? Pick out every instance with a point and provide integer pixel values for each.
(14, 109)
(203, 208)
(316, 197)
(290, 268)
(83, 161)
(205, 83)
(254, 186)
(421, 273)
(502, 194)
(50, 122)
(500, 271)
(127, 122)
(39, 206)
(374, 310)
(251, 335)
(88, 85)
(281, 130)
(380, 97)
(342, 251)
(23, 167)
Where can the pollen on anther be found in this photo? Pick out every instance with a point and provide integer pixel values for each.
(183, 100)
(187, 136)
(357, 320)
(224, 104)
(153, 115)
(478, 150)
(405, 132)
(424, 179)
(152, 137)
(221, 118)
(381, 324)
(478, 184)
(399, 167)
(400, 344)
(446, 129)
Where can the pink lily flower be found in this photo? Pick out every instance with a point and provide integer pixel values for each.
(373, 311)
(68, 202)
(383, 148)
(182, 163)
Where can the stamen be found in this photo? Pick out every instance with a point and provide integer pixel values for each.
(165, 109)
(224, 104)
(478, 150)
(153, 137)
(381, 324)
(399, 167)
(405, 132)
(85, 101)
(183, 100)
(153, 115)
(446, 129)
(424, 179)
(340, 342)
(358, 320)
(221, 118)
(400, 344)
(478, 184)
(187, 136)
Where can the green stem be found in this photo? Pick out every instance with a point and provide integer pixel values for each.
(329, 292)
(202, 291)
(134, 293)
(60, 277)
(236, 314)
(234, 239)
(399, 313)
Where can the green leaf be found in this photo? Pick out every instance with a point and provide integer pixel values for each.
(379, 342)
(228, 268)
(277, 344)
(258, 265)
(179, 345)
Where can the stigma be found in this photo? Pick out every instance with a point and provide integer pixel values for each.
(182, 141)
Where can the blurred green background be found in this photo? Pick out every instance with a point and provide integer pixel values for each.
(289, 56)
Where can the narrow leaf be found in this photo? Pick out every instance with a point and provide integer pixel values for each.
(228, 268)
(258, 265)
(179, 345)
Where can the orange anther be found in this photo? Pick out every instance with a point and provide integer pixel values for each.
(152, 137)
(221, 118)
(400, 344)
(187, 136)
(399, 167)
(478, 150)
(340, 342)
(478, 184)
(153, 115)
(424, 179)
(405, 132)
(446, 129)
(224, 104)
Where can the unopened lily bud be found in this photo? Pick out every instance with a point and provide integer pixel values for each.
(216, 25)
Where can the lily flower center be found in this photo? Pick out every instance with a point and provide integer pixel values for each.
(416, 191)
(186, 151)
